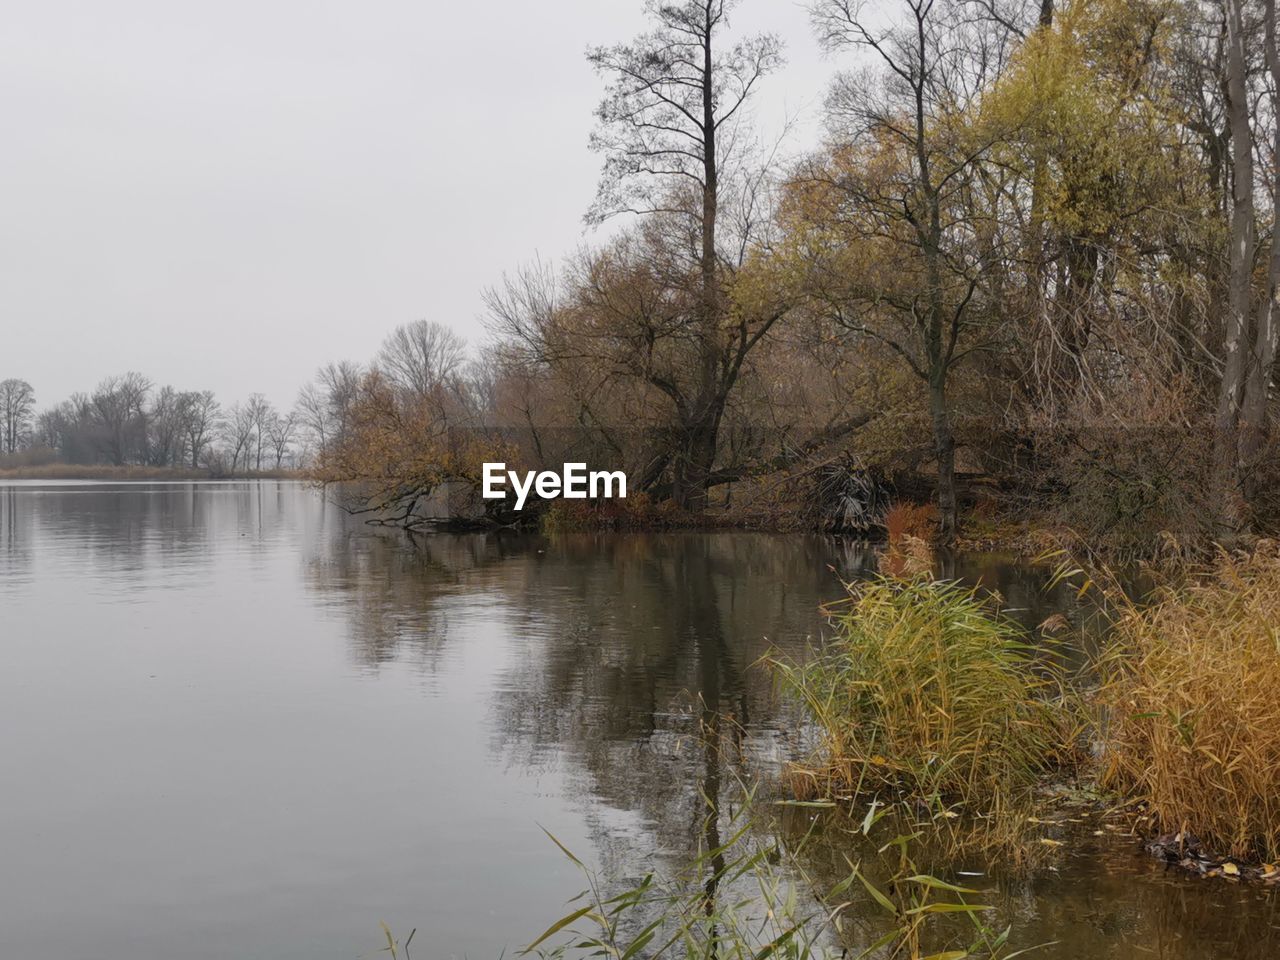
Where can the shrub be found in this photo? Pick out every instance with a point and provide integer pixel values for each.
(638, 511)
(928, 691)
(917, 520)
(1120, 489)
(1190, 703)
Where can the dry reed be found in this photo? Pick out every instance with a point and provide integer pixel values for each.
(1190, 703)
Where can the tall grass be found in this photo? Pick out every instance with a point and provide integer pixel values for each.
(1190, 700)
(927, 693)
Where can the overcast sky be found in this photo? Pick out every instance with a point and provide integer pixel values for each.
(227, 194)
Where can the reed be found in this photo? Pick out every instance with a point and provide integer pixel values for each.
(751, 900)
(927, 694)
(1190, 703)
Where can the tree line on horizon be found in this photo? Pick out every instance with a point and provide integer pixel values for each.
(127, 421)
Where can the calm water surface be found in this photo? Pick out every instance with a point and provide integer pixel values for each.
(234, 723)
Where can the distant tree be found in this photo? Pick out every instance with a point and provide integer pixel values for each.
(17, 401)
(314, 415)
(261, 412)
(280, 432)
(422, 357)
(119, 407)
(339, 384)
(239, 430)
(166, 436)
(201, 416)
(49, 429)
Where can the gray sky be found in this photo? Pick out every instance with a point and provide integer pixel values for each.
(226, 195)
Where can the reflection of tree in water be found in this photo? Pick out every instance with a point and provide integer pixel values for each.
(399, 587)
(16, 534)
(134, 530)
(639, 666)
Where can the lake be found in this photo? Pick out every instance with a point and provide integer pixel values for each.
(235, 722)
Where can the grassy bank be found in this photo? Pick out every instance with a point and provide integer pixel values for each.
(926, 695)
(71, 471)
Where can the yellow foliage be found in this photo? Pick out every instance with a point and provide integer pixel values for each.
(1085, 99)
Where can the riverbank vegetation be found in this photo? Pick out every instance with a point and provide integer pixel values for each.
(1190, 723)
(1029, 270)
(72, 471)
(128, 428)
(749, 899)
(925, 696)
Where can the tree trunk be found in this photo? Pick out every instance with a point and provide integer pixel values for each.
(1226, 486)
(945, 451)
(694, 467)
(1254, 426)
(700, 430)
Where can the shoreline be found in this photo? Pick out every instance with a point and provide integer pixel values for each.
(66, 471)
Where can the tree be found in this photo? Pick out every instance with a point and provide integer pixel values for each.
(1254, 415)
(119, 407)
(314, 416)
(1241, 253)
(280, 430)
(903, 189)
(670, 129)
(340, 384)
(166, 439)
(260, 413)
(421, 357)
(17, 401)
(240, 426)
(201, 414)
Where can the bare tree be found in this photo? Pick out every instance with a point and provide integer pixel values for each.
(17, 400)
(280, 431)
(930, 69)
(240, 427)
(314, 415)
(166, 439)
(422, 357)
(1241, 253)
(261, 412)
(340, 385)
(201, 414)
(119, 405)
(1258, 377)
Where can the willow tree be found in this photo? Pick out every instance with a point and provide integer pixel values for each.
(671, 126)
